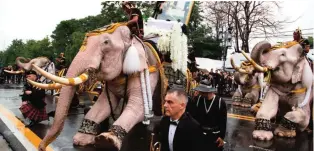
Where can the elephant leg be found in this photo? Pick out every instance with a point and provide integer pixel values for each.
(299, 117)
(98, 113)
(236, 98)
(268, 110)
(131, 115)
(250, 98)
(247, 100)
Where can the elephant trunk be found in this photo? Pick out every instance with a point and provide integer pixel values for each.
(238, 78)
(80, 64)
(26, 65)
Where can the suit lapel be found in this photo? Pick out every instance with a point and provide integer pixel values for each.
(179, 131)
(166, 129)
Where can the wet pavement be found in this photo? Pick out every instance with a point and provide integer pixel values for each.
(240, 125)
(4, 146)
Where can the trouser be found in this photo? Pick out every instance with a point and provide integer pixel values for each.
(210, 141)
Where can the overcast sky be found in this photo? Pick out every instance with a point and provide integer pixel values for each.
(35, 19)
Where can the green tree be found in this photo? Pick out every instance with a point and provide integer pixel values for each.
(113, 12)
(200, 35)
(76, 42)
(14, 50)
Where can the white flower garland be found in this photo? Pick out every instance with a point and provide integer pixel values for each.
(173, 41)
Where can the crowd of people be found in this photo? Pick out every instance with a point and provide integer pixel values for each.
(222, 80)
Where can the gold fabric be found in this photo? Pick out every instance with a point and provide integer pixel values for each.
(107, 29)
(283, 45)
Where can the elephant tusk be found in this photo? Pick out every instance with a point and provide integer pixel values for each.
(13, 72)
(236, 67)
(45, 86)
(65, 81)
(258, 67)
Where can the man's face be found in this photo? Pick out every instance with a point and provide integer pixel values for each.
(173, 106)
(31, 77)
(296, 36)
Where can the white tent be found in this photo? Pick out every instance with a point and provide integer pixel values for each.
(311, 54)
(206, 63)
(237, 58)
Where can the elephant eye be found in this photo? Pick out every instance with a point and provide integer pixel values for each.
(282, 54)
(106, 41)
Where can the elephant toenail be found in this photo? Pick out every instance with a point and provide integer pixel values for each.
(280, 134)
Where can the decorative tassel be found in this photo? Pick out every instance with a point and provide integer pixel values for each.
(149, 93)
(144, 94)
(131, 63)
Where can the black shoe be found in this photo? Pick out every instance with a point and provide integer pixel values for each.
(32, 123)
(51, 114)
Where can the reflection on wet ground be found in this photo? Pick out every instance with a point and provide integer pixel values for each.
(4, 146)
(238, 136)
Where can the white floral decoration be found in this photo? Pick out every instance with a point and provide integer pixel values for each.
(173, 41)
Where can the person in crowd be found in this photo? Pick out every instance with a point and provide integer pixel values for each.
(216, 78)
(61, 64)
(210, 111)
(135, 22)
(297, 36)
(33, 104)
(177, 130)
(221, 83)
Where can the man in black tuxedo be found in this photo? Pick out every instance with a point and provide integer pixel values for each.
(178, 131)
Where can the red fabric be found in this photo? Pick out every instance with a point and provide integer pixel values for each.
(33, 113)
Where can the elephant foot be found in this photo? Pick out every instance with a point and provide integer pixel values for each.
(82, 139)
(236, 100)
(236, 103)
(245, 105)
(111, 139)
(286, 128)
(107, 140)
(284, 132)
(246, 102)
(262, 135)
(262, 129)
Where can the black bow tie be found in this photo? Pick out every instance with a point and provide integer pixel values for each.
(173, 123)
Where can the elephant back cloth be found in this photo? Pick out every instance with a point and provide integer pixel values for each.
(174, 78)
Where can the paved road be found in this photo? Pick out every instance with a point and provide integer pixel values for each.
(4, 146)
(239, 130)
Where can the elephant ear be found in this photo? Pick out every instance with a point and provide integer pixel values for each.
(259, 49)
(297, 71)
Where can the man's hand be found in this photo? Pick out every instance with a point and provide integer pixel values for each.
(24, 102)
(220, 142)
(28, 92)
(42, 146)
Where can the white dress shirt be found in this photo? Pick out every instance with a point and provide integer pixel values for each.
(172, 131)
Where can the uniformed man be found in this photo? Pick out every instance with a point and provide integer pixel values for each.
(61, 62)
(211, 112)
(135, 22)
(297, 36)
